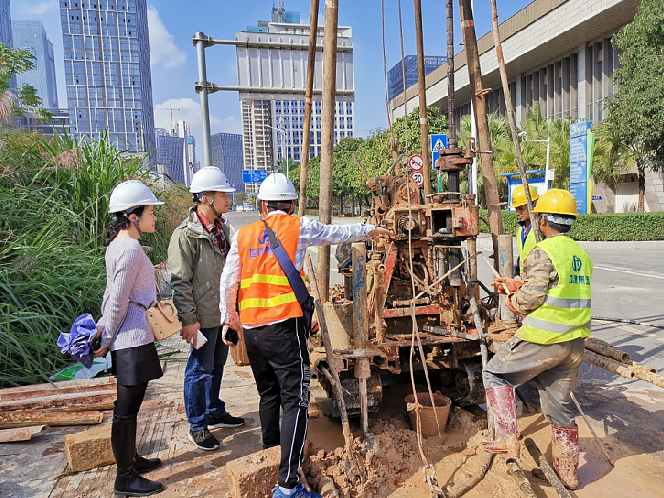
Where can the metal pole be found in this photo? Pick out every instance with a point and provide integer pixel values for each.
(422, 90)
(451, 118)
(311, 66)
(512, 119)
(327, 139)
(546, 171)
(205, 110)
(482, 122)
(506, 269)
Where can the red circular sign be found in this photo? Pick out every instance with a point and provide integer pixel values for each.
(416, 162)
(418, 177)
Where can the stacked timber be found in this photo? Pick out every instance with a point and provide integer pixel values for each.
(75, 402)
(603, 355)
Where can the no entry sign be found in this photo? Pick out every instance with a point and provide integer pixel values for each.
(416, 162)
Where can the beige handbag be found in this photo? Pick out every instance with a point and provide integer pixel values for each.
(163, 317)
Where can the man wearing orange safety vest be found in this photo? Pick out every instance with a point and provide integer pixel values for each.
(271, 317)
(525, 236)
(555, 298)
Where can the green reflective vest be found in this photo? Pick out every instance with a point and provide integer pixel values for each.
(524, 249)
(565, 313)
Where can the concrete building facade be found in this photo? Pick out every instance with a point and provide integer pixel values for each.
(558, 53)
(227, 154)
(272, 72)
(107, 70)
(31, 36)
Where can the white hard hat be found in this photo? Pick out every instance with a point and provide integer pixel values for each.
(210, 179)
(277, 187)
(131, 194)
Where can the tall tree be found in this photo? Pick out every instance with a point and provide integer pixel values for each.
(636, 110)
(15, 101)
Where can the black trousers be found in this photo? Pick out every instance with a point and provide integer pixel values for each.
(279, 359)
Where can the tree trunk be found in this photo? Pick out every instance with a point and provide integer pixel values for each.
(642, 186)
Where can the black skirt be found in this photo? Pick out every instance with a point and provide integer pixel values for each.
(134, 366)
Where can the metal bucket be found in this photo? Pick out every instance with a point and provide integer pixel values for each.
(427, 416)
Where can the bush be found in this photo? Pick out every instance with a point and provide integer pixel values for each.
(604, 227)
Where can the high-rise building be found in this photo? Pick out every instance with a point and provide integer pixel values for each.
(272, 68)
(107, 68)
(5, 23)
(227, 155)
(31, 37)
(175, 152)
(395, 75)
(59, 123)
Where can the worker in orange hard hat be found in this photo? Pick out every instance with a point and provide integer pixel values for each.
(554, 296)
(525, 236)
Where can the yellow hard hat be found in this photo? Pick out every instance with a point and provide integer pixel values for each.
(556, 201)
(519, 195)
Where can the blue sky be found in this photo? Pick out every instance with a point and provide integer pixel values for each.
(173, 57)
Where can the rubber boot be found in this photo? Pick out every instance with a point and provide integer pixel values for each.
(565, 450)
(123, 441)
(503, 406)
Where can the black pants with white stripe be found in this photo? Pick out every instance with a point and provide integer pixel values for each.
(279, 359)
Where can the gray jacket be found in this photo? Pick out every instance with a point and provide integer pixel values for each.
(196, 265)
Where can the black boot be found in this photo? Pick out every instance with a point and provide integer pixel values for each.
(123, 440)
(143, 465)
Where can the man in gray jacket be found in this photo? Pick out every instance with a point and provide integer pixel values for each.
(197, 253)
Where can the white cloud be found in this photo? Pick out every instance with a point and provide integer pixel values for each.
(162, 45)
(41, 8)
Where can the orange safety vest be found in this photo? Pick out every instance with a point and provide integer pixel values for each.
(265, 293)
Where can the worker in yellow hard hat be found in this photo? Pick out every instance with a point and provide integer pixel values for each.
(525, 236)
(554, 296)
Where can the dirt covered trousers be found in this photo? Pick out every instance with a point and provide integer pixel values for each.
(279, 359)
(554, 369)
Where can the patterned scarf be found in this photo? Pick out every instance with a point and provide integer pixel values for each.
(215, 230)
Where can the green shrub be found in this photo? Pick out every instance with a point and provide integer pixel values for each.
(604, 227)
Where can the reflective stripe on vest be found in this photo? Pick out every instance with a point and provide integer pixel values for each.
(565, 313)
(265, 295)
(524, 249)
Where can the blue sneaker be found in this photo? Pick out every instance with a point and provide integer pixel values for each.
(298, 492)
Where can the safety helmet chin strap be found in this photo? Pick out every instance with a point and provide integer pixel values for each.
(136, 223)
(211, 204)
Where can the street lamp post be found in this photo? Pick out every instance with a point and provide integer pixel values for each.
(285, 135)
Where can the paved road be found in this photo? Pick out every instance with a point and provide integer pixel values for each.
(626, 284)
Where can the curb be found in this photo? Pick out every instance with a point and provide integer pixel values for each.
(484, 243)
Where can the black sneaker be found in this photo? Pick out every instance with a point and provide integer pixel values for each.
(226, 420)
(203, 439)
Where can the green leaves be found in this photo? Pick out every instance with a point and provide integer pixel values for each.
(601, 227)
(15, 61)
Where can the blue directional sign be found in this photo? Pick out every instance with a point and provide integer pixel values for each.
(253, 176)
(581, 144)
(438, 143)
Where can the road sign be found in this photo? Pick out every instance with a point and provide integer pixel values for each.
(418, 177)
(254, 175)
(438, 143)
(581, 145)
(416, 162)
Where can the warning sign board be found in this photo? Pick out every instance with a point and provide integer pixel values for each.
(416, 162)
(418, 177)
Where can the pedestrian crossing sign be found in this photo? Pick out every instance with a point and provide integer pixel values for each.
(438, 143)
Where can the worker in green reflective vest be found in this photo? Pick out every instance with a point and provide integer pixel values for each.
(525, 235)
(554, 296)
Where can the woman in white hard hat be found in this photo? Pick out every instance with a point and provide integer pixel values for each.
(197, 253)
(125, 330)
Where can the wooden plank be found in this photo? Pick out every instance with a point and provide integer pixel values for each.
(27, 395)
(19, 434)
(26, 418)
(63, 403)
(59, 385)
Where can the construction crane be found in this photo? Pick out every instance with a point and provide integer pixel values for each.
(169, 109)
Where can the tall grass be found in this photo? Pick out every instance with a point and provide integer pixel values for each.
(54, 208)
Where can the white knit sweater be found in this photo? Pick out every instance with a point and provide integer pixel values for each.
(130, 276)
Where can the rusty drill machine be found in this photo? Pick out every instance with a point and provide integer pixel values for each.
(369, 319)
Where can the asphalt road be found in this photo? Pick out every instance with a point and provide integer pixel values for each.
(626, 285)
